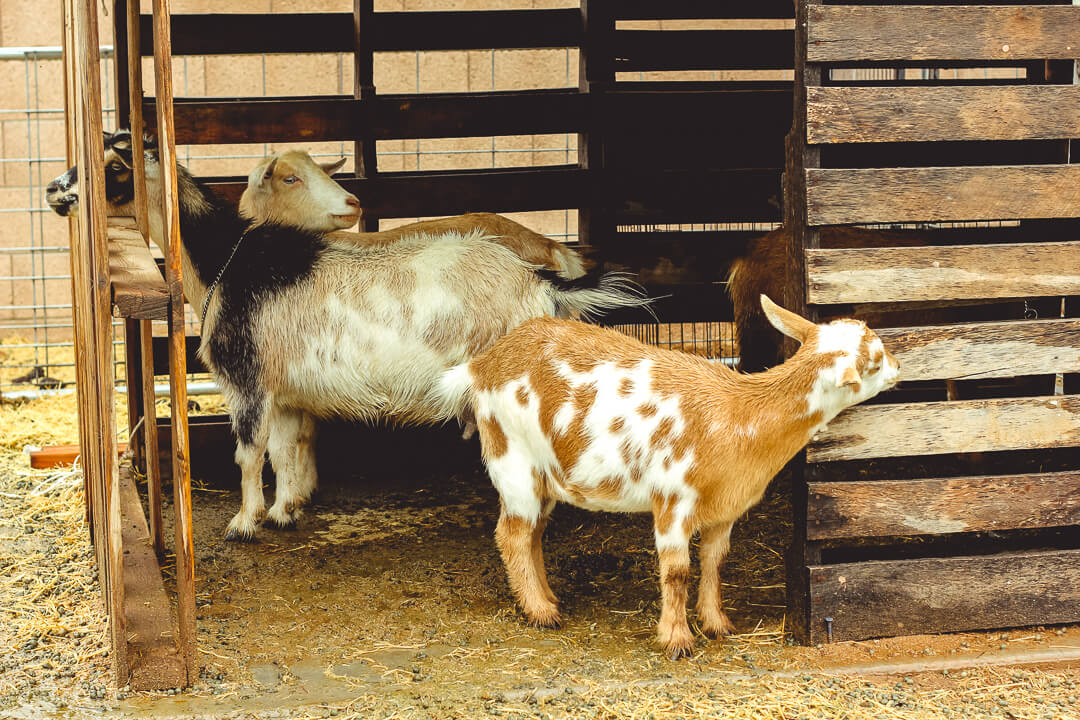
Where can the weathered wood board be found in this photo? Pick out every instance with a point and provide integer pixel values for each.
(942, 505)
(152, 651)
(925, 114)
(842, 33)
(138, 290)
(984, 350)
(927, 194)
(899, 597)
(935, 428)
(958, 272)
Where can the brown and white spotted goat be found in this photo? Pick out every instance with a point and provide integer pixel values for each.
(580, 414)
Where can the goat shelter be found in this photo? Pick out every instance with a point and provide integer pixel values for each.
(950, 503)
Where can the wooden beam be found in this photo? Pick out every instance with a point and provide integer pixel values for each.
(930, 595)
(138, 290)
(842, 33)
(92, 317)
(702, 9)
(929, 194)
(259, 33)
(935, 428)
(881, 275)
(648, 50)
(151, 641)
(943, 505)
(181, 475)
(985, 350)
(925, 114)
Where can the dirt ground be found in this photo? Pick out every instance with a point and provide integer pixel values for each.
(389, 601)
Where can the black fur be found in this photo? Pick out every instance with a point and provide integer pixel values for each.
(269, 259)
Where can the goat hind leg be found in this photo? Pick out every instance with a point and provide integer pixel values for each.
(538, 550)
(715, 541)
(284, 445)
(252, 425)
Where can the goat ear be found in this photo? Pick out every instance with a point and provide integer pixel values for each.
(268, 173)
(794, 326)
(849, 378)
(331, 168)
(122, 148)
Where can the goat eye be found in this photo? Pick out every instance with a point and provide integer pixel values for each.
(116, 166)
(290, 180)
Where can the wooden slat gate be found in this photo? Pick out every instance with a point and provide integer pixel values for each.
(953, 504)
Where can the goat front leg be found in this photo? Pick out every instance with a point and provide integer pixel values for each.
(251, 423)
(286, 427)
(307, 476)
(673, 545)
(715, 541)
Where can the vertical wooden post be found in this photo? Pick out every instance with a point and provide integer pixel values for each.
(364, 91)
(596, 75)
(73, 228)
(133, 73)
(802, 553)
(133, 349)
(181, 475)
(92, 303)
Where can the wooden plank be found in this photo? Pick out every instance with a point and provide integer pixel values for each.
(943, 505)
(702, 9)
(151, 641)
(985, 350)
(957, 272)
(646, 50)
(259, 33)
(365, 149)
(927, 194)
(183, 543)
(900, 597)
(138, 290)
(923, 114)
(92, 318)
(936, 428)
(411, 194)
(842, 33)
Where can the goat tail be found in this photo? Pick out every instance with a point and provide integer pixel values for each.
(614, 290)
(569, 262)
(452, 396)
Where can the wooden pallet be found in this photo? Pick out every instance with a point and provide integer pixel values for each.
(892, 535)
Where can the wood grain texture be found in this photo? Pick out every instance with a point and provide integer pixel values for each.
(138, 290)
(924, 114)
(956, 272)
(985, 350)
(899, 597)
(938, 506)
(695, 9)
(860, 33)
(155, 662)
(258, 33)
(91, 302)
(935, 428)
(925, 194)
(183, 543)
(646, 50)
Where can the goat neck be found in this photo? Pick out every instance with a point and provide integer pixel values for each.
(209, 228)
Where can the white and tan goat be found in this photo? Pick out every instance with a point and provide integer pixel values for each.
(302, 324)
(576, 413)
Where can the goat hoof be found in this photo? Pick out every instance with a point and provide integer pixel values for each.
(234, 535)
(548, 618)
(718, 627)
(678, 653)
(283, 523)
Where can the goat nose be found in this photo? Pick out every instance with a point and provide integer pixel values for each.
(351, 201)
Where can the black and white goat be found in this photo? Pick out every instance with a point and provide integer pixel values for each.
(298, 323)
